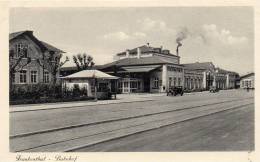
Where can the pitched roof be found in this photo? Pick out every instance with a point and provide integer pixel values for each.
(206, 66)
(51, 48)
(43, 45)
(74, 68)
(137, 69)
(200, 65)
(138, 61)
(247, 75)
(219, 70)
(16, 34)
(90, 74)
(69, 68)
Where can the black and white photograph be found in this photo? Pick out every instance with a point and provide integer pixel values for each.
(131, 79)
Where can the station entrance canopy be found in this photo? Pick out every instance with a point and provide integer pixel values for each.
(138, 69)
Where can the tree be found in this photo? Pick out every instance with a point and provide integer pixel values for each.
(17, 63)
(52, 63)
(83, 61)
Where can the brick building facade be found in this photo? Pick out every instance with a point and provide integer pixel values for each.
(28, 57)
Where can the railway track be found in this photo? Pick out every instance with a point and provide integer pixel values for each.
(24, 123)
(88, 134)
(120, 118)
(83, 148)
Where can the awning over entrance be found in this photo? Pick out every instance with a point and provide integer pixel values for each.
(140, 68)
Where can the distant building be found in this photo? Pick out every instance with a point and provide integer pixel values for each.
(34, 51)
(199, 74)
(247, 81)
(210, 76)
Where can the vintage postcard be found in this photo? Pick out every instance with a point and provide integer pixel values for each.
(113, 82)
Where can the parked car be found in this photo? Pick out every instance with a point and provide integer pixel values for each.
(213, 89)
(175, 91)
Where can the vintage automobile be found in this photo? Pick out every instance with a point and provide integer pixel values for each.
(213, 89)
(175, 91)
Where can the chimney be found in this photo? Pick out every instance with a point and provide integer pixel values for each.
(138, 52)
(177, 49)
(127, 53)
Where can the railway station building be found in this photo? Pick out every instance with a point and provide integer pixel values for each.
(151, 69)
(146, 69)
(154, 69)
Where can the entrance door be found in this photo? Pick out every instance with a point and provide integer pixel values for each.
(126, 87)
(113, 85)
(146, 83)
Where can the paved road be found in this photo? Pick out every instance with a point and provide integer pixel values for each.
(226, 131)
(92, 118)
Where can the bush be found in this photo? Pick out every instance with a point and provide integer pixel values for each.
(49, 100)
(35, 91)
(45, 93)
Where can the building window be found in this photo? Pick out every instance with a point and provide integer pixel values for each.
(133, 85)
(13, 77)
(156, 83)
(174, 82)
(103, 87)
(126, 87)
(170, 81)
(23, 76)
(120, 84)
(246, 83)
(46, 77)
(22, 50)
(33, 76)
(186, 82)
(179, 81)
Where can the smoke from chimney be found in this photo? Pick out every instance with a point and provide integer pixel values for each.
(181, 36)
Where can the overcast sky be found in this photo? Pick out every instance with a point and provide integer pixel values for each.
(222, 35)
